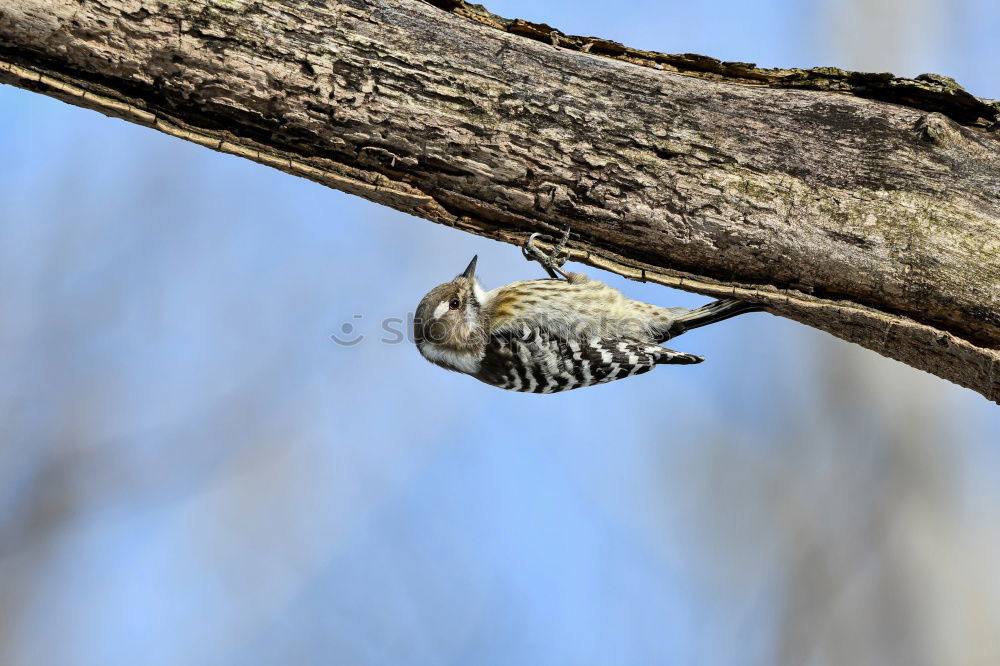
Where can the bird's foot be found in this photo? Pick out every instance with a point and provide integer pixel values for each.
(552, 263)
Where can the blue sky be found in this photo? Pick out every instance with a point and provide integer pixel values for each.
(191, 471)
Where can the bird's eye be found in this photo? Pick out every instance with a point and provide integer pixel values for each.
(453, 303)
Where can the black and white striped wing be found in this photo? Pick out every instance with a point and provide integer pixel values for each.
(541, 363)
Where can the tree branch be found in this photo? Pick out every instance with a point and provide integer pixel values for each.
(864, 205)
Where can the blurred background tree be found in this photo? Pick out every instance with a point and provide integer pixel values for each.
(192, 471)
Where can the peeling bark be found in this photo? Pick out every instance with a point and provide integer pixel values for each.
(864, 205)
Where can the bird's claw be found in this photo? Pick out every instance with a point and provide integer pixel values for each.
(552, 263)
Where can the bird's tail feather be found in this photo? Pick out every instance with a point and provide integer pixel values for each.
(711, 313)
(669, 356)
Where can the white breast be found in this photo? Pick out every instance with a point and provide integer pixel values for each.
(460, 361)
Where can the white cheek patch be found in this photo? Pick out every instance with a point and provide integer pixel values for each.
(440, 309)
(480, 295)
(471, 320)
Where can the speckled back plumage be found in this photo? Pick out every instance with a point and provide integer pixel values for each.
(538, 362)
(578, 307)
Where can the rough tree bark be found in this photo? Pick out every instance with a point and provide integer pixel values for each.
(862, 204)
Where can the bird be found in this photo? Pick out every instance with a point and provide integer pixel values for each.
(554, 334)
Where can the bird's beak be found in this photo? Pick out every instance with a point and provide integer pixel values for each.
(470, 272)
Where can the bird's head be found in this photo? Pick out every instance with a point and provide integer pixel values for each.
(448, 326)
